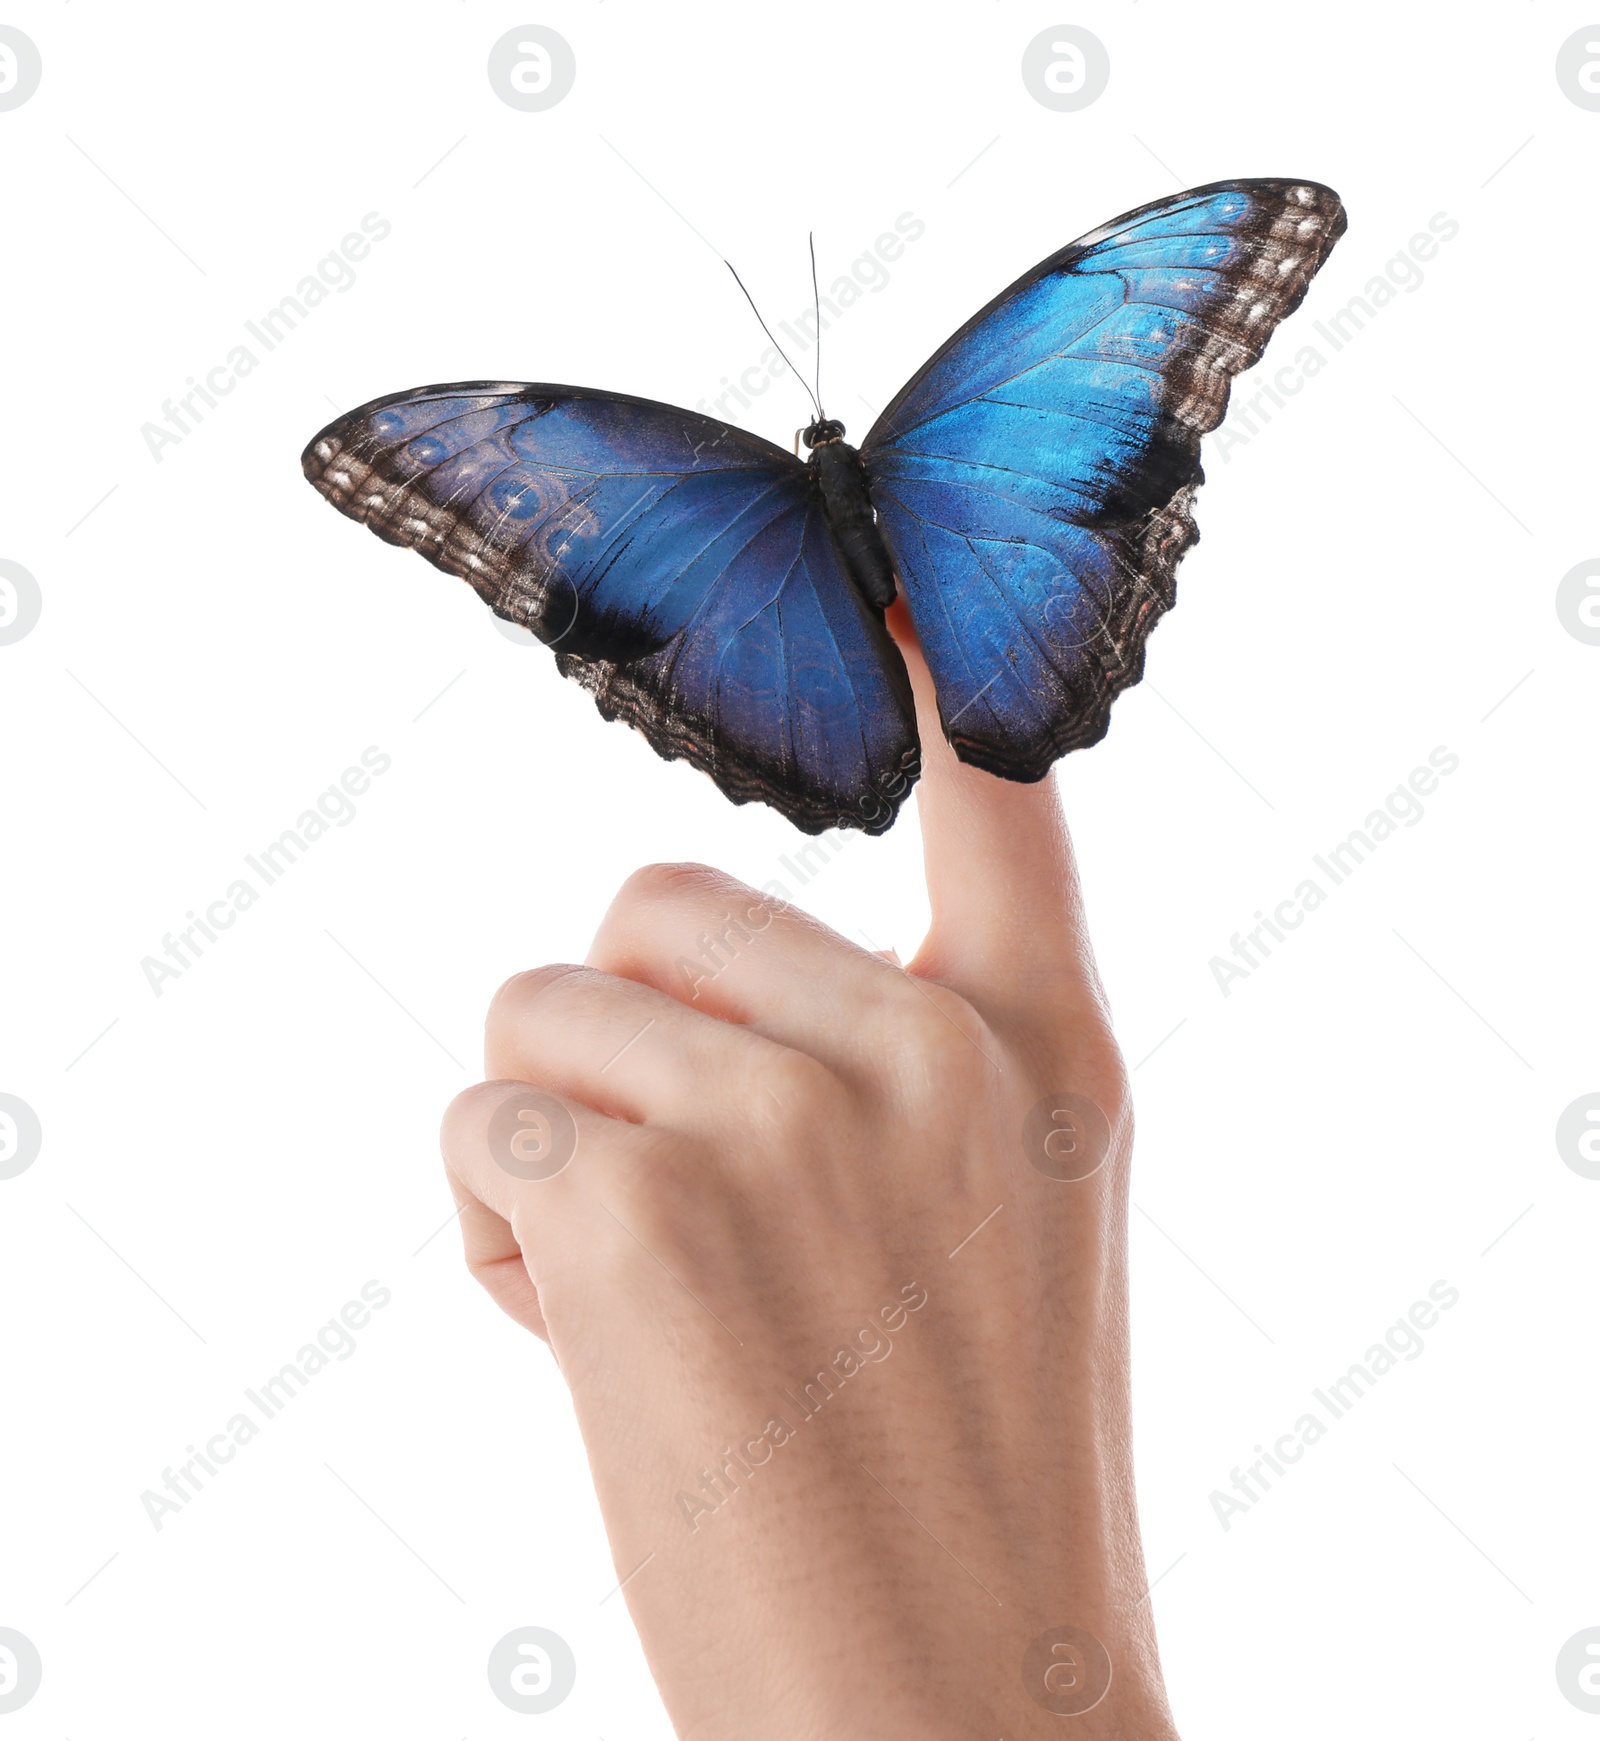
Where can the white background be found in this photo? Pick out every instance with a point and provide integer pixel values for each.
(227, 1163)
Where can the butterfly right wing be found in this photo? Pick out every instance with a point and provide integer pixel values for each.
(1035, 480)
(679, 568)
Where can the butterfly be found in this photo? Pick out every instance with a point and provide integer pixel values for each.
(1030, 490)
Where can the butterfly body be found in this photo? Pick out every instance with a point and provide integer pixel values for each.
(847, 505)
(1029, 492)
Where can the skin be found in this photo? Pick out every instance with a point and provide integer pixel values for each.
(788, 1162)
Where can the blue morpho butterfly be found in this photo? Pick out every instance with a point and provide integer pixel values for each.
(1030, 488)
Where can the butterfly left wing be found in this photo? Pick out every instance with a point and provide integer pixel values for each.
(1035, 479)
(679, 567)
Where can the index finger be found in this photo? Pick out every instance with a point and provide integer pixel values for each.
(1002, 880)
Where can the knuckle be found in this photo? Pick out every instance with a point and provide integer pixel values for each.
(531, 984)
(943, 1039)
(653, 884)
(467, 1112)
(1105, 1080)
(791, 1083)
(935, 1013)
(785, 1105)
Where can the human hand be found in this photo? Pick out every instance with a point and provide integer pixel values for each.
(835, 1270)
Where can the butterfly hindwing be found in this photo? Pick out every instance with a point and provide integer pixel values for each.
(798, 673)
(1035, 479)
(679, 568)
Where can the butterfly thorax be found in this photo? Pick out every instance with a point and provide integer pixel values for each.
(841, 477)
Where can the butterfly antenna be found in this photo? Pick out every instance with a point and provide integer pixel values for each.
(816, 303)
(775, 345)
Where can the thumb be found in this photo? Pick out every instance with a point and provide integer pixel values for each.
(1008, 924)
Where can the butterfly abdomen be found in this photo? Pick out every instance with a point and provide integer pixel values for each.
(842, 478)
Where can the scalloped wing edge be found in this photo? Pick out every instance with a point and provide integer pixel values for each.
(620, 696)
(1166, 532)
(1167, 536)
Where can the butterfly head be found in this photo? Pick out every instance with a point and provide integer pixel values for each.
(824, 430)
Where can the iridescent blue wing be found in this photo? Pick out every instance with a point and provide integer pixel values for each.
(680, 568)
(1035, 479)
